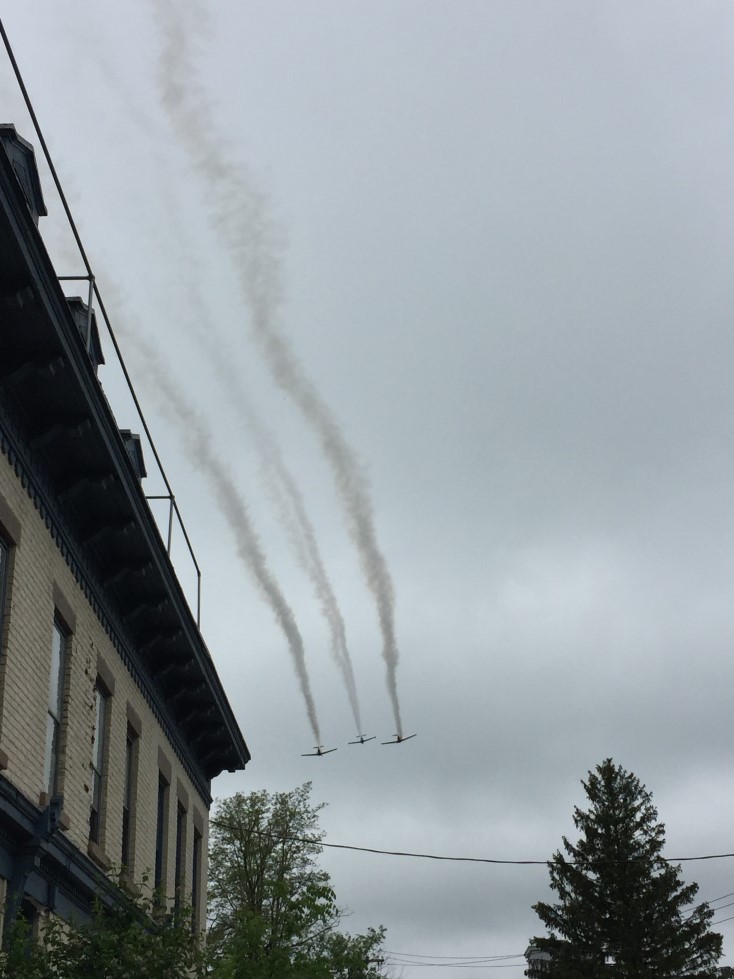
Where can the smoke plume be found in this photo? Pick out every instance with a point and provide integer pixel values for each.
(294, 517)
(285, 493)
(241, 218)
(199, 442)
(280, 483)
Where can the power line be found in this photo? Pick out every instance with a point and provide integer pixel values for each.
(729, 904)
(450, 859)
(455, 965)
(413, 959)
(443, 965)
(698, 901)
(483, 958)
(417, 961)
(689, 914)
(709, 901)
(408, 964)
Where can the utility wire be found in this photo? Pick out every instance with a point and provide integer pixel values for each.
(454, 965)
(713, 900)
(410, 964)
(474, 958)
(690, 914)
(435, 856)
(453, 961)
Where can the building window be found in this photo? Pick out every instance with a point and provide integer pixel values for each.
(128, 796)
(28, 912)
(180, 854)
(161, 833)
(196, 881)
(4, 569)
(101, 702)
(59, 645)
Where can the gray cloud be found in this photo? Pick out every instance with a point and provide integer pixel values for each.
(508, 271)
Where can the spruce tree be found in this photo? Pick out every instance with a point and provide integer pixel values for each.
(622, 912)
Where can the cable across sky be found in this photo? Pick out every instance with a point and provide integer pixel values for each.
(445, 857)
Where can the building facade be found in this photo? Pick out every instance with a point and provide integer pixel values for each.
(112, 718)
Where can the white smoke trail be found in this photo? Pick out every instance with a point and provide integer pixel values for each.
(280, 482)
(198, 439)
(288, 499)
(294, 517)
(240, 216)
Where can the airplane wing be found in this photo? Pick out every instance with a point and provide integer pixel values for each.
(398, 740)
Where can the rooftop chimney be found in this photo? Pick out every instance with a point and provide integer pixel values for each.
(134, 452)
(23, 161)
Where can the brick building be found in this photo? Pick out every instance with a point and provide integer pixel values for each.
(112, 718)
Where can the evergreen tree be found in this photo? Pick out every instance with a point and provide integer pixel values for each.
(622, 912)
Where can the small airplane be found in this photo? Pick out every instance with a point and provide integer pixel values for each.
(399, 738)
(320, 750)
(362, 739)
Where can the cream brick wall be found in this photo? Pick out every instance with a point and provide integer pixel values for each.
(40, 584)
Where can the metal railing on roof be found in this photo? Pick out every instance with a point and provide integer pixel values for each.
(94, 293)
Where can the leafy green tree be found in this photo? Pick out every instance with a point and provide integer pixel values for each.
(622, 912)
(128, 940)
(354, 956)
(273, 911)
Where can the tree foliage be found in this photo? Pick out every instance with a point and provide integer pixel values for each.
(128, 940)
(273, 913)
(273, 910)
(622, 910)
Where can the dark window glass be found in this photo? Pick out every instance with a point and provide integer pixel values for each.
(98, 760)
(4, 561)
(29, 913)
(196, 881)
(180, 852)
(161, 831)
(131, 747)
(55, 707)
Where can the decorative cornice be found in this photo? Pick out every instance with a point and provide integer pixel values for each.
(60, 862)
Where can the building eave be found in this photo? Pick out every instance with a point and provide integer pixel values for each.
(65, 428)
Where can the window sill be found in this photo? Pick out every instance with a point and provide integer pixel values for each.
(128, 884)
(97, 854)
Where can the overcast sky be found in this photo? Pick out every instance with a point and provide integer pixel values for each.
(507, 233)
